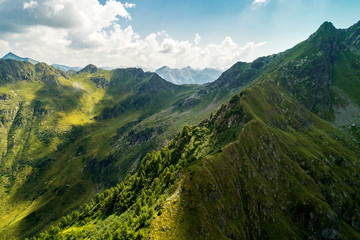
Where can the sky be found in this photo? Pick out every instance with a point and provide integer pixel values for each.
(154, 33)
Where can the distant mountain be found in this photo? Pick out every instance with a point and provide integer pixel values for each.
(109, 68)
(188, 75)
(12, 56)
(145, 69)
(66, 68)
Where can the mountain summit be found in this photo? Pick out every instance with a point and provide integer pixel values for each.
(12, 56)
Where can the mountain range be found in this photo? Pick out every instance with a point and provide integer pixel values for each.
(188, 75)
(269, 150)
(12, 56)
(185, 75)
(66, 68)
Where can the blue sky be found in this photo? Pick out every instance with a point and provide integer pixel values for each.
(280, 22)
(153, 33)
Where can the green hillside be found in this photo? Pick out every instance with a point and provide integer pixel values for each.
(60, 134)
(237, 175)
(279, 160)
(66, 136)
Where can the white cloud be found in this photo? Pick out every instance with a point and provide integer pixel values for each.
(83, 31)
(30, 5)
(260, 1)
(4, 44)
(197, 39)
(130, 5)
(4, 47)
(79, 14)
(261, 44)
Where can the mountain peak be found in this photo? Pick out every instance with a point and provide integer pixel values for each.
(325, 35)
(163, 68)
(89, 68)
(10, 54)
(326, 27)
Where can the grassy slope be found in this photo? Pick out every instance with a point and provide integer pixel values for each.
(244, 174)
(289, 175)
(282, 153)
(137, 198)
(47, 120)
(284, 172)
(283, 178)
(347, 74)
(68, 136)
(32, 170)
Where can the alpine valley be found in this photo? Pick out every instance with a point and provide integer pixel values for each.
(269, 150)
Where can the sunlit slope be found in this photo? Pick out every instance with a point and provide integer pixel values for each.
(58, 136)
